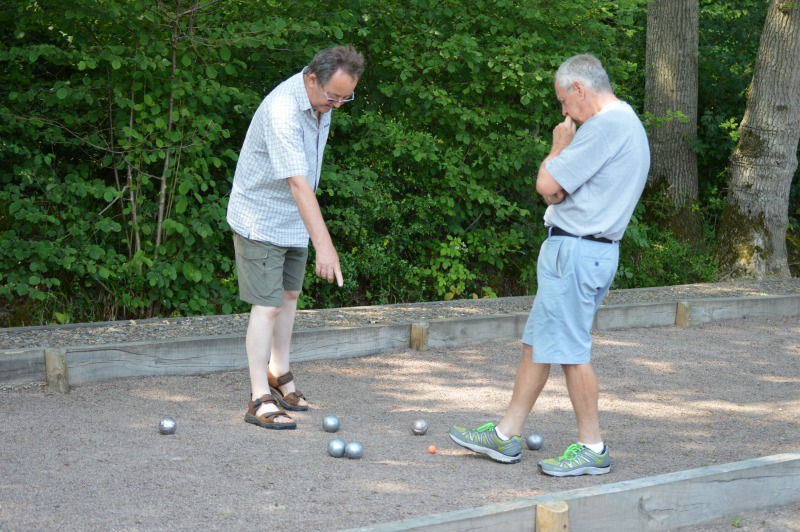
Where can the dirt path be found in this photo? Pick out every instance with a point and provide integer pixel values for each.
(672, 399)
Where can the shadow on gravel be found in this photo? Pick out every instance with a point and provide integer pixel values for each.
(671, 399)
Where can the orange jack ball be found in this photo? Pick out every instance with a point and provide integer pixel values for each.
(432, 449)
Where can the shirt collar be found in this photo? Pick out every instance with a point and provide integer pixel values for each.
(300, 93)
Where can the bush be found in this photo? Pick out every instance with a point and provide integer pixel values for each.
(653, 257)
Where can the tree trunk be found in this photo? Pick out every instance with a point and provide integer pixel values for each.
(671, 86)
(752, 234)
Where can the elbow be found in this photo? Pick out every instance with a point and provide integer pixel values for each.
(540, 189)
(296, 185)
(546, 185)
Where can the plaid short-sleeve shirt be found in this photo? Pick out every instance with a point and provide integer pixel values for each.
(284, 139)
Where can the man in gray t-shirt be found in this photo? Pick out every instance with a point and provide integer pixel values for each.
(591, 180)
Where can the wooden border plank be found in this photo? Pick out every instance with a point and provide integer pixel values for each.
(735, 308)
(633, 316)
(22, 366)
(189, 356)
(461, 331)
(656, 503)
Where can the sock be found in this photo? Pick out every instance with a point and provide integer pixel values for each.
(596, 447)
(500, 434)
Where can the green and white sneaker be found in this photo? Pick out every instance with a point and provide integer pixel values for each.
(485, 440)
(577, 460)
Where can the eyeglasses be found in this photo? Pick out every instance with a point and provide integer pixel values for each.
(334, 100)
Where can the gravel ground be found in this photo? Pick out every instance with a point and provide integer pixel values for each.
(672, 399)
(166, 329)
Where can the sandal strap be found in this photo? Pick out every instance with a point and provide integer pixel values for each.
(286, 399)
(266, 398)
(267, 417)
(283, 379)
(294, 397)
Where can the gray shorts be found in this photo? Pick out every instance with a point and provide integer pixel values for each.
(573, 276)
(265, 270)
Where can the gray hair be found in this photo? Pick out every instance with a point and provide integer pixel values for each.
(587, 69)
(328, 61)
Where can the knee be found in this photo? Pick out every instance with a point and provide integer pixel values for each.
(265, 313)
(291, 295)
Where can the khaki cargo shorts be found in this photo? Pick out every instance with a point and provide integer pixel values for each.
(265, 270)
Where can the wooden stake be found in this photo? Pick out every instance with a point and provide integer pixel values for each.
(55, 364)
(419, 336)
(683, 314)
(552, 517)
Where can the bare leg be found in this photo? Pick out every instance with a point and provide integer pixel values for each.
(584, 393)
(282, 341)
(257, 343)
(528, 384)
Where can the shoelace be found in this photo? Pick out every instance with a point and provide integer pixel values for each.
(571, 453)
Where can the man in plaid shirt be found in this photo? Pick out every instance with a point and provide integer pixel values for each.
(273, 212)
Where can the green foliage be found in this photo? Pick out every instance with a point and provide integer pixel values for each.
(116, 118)
(452, 120)
(653, 257)
(121, 122)
(730, 31)
(793, 231)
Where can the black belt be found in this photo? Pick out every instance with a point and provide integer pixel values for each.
(552, 230)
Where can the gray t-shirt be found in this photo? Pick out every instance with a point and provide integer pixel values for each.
(604, 171)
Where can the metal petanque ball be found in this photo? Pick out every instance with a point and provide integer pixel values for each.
(167, 426)
(354, 449)
(419, 427)
(336, 448)
(330, 423)
(534, 442)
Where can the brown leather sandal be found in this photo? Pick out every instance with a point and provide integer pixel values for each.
(290, 400)
(267, 420)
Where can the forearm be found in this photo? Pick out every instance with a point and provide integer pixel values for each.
(310, 212)
(548, 187)
(327, 259)
(546, 184)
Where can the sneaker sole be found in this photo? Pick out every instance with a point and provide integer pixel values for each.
(577, 472)
(491, 453)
